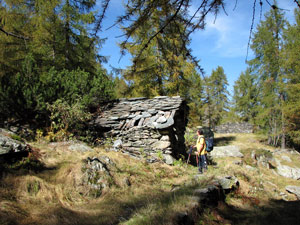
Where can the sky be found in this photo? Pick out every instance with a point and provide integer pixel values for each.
(223, 42)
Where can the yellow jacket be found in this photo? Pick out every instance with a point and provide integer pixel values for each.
(201, 141)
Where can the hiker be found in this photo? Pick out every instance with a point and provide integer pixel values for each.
(201, 152)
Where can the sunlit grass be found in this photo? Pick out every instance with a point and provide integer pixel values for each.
(141, 193)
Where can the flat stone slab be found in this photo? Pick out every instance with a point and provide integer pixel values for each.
(294, 190)
(287, 171)
(226, 151)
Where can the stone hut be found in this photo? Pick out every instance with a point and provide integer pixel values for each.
(141, 127)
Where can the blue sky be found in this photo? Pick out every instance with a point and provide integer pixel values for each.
(222, 43)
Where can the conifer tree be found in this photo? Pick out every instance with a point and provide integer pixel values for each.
(163, 67)
(216, 102)
(291, 65)
(266, 45)
(245, 96)
(42, 45)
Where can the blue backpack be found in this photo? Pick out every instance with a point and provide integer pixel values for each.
(209, 144)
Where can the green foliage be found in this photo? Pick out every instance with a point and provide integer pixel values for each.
(216, 102)
(17, 137)
(33, 187)
(64, 115)
(267, 46)
(161, 67)
(49, 54)
(246, 96)
(291, 64)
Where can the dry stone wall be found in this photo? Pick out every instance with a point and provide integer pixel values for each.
(234, 128)
(141, 127)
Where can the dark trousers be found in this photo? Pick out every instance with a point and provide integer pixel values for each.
(202, 163)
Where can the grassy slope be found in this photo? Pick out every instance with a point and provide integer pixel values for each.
(56, 195)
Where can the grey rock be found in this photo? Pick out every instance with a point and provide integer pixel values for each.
(168, 159)
(250, 167)
(165, 138)
(294, 189)
(169, 123)
(80, 147)
(287, 171)
(286, 158)
(117, 143)
(146, 114)
(229, 183)
(161, 144)
(161, 119)
(226, 151)
(9, 145)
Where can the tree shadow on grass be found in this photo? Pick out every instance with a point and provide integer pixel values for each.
(146, 208)
(277, 212)
(221, 141)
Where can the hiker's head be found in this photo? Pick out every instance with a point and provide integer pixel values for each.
(200, 132)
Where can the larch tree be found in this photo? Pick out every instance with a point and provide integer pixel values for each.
(245, 96)
(163, 67)
(216, 97)
(291, 67)
(267, 45)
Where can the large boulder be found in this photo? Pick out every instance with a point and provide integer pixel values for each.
(97, 174)
(9, 145)
(226, 151)
(287, 171)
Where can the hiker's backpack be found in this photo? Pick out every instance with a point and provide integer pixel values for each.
(209, 144)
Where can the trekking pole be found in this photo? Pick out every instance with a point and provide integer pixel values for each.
(187, 162)
(190, 152)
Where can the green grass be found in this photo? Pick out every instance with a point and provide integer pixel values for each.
(156, 194)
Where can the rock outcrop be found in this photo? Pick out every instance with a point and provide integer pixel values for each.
(141, 127)
(97, 174)
(11, 146)
(293, 189)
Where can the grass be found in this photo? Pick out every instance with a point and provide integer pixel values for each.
(142, 193)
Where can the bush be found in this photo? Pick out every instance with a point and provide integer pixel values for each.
(28, 94)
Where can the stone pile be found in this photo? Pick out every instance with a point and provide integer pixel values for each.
(234, 128)
(141, 127)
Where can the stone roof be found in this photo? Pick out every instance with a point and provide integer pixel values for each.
(155, 113)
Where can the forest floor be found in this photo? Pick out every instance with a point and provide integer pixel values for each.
(143, 193)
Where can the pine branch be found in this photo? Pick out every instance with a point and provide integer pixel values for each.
(14, 35)
(161, 29)
(104, 5)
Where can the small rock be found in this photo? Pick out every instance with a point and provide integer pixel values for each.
(238, 162)
(250, 167)
(117, 143)
(168, 159)
(161, 144)
(286, 158)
